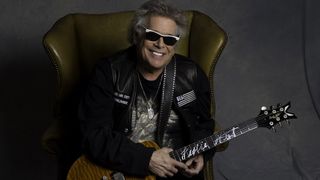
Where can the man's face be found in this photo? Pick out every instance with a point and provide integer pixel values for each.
(156, 54)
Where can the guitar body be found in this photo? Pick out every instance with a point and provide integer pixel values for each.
(84, 169)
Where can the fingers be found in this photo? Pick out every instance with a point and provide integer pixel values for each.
(162, 172)
(195, 165)
(191, 172)
(166, 150)
(190, 161)
(170, 163)
(163, 165)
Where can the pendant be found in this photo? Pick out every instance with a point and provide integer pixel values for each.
(150, 113)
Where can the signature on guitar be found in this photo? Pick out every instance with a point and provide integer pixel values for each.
(192, 150)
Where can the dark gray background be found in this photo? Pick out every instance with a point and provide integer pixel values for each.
(271, 57)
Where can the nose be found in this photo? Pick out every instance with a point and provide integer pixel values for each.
(159, 43)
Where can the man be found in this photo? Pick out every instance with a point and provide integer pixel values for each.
(147, 93)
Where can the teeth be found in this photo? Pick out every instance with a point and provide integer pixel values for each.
(157, 54)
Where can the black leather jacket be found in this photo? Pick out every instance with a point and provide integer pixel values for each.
(105, 139)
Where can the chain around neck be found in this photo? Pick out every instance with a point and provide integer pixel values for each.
(144, 93)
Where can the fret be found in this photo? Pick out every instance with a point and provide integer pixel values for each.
(233, 132)
(193, 149)
(246, 127)
(174, 155)
(209, 140)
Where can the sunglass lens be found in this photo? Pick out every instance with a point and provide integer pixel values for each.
(169, 41)
(152, 36)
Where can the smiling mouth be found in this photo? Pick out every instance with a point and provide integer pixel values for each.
(159, 54)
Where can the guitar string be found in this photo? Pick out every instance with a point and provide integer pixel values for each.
(250, 124)
(221, 133)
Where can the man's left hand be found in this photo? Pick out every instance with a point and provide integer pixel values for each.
(195, 165)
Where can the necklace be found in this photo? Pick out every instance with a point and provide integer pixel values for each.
(149, 108)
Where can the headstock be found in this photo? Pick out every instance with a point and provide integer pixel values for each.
(274, 115)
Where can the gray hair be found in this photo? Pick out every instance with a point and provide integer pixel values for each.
(154, 8)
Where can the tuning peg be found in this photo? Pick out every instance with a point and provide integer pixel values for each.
(263, 108)
(272, 107)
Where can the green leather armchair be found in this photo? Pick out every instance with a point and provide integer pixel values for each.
(76, 41)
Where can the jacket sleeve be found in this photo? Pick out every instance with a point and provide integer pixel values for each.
(204, 125)
(101, 143)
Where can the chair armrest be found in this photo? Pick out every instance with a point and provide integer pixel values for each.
(51, 138)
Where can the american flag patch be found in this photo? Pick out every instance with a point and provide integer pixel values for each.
(186, 98)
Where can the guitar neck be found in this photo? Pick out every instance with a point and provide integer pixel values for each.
(214, 140)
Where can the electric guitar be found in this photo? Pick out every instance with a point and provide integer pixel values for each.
(268, 117)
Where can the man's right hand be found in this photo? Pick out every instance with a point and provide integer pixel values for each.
(161, 164)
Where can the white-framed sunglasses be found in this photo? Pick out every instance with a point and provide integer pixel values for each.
(152, 35)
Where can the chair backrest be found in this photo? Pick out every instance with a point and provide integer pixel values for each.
(77, 41)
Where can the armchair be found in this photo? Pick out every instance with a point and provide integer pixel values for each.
(74, 44)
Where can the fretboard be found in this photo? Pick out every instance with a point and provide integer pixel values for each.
(214, 140)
